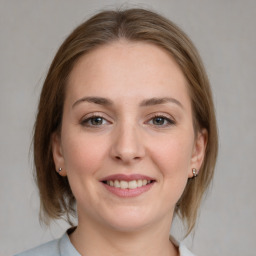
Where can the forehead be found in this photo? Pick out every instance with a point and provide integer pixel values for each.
(124, 68)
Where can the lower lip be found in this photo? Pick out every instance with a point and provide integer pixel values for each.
(128, 192)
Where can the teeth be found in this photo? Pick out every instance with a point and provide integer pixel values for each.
(139, 183)
(116, 184)
(132, 184)
(128, 184)
(144, 182)
(124, 184)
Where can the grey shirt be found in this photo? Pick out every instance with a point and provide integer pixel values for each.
(63, 247)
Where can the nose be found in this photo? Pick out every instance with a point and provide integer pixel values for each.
(127, 144)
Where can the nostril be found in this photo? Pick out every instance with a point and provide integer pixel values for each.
(127, 158)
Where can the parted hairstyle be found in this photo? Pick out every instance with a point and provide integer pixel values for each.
(57, 200)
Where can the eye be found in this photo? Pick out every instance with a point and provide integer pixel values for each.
(160, 120)
(94, 121)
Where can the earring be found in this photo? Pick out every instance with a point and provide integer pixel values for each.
(195, 173)
(60, 169)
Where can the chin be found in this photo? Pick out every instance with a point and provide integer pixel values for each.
(128, 226)
(129, 220)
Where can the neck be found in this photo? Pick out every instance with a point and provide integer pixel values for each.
(91, 239)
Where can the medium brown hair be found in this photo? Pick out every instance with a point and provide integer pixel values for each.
(56, 196)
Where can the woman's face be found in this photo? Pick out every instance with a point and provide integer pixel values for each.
(127, 141)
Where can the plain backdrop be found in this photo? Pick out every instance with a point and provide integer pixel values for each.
(224, 31)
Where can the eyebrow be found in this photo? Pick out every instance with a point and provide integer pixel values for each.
(158, 101)
(95, 100)
(144, 103)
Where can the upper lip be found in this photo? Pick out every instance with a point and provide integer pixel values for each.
(126, 177)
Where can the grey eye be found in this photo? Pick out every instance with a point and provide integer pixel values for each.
(159, 120)
(96, 120)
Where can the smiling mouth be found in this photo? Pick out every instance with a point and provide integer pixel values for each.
(132, 184)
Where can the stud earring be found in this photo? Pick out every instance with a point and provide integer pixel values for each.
(195, 173)
(60, 169)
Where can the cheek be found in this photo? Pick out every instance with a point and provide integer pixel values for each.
(173, 162)
(173, 158)
(83, 154)
(83, 158)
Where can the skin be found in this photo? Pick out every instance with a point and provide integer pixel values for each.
(127, 139)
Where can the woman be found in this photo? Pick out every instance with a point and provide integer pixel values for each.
(125, 136)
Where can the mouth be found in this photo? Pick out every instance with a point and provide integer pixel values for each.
(128, 185)
(123, 184)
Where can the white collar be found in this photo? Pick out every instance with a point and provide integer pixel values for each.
(183, 250)
(67, 248)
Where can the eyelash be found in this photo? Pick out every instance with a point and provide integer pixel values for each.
(166, 119)
(170, 122)
(85, 122)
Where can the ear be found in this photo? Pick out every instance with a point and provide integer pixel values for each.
(198, 151)
(57, 154)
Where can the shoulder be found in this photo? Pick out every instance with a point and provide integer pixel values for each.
(50, 249)
(58, 247)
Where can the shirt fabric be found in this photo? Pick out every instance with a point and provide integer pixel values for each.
(63, 247)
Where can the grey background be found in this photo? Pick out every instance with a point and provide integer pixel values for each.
(224, 33)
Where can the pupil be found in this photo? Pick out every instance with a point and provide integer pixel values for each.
(158, 120)
(97, 121)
